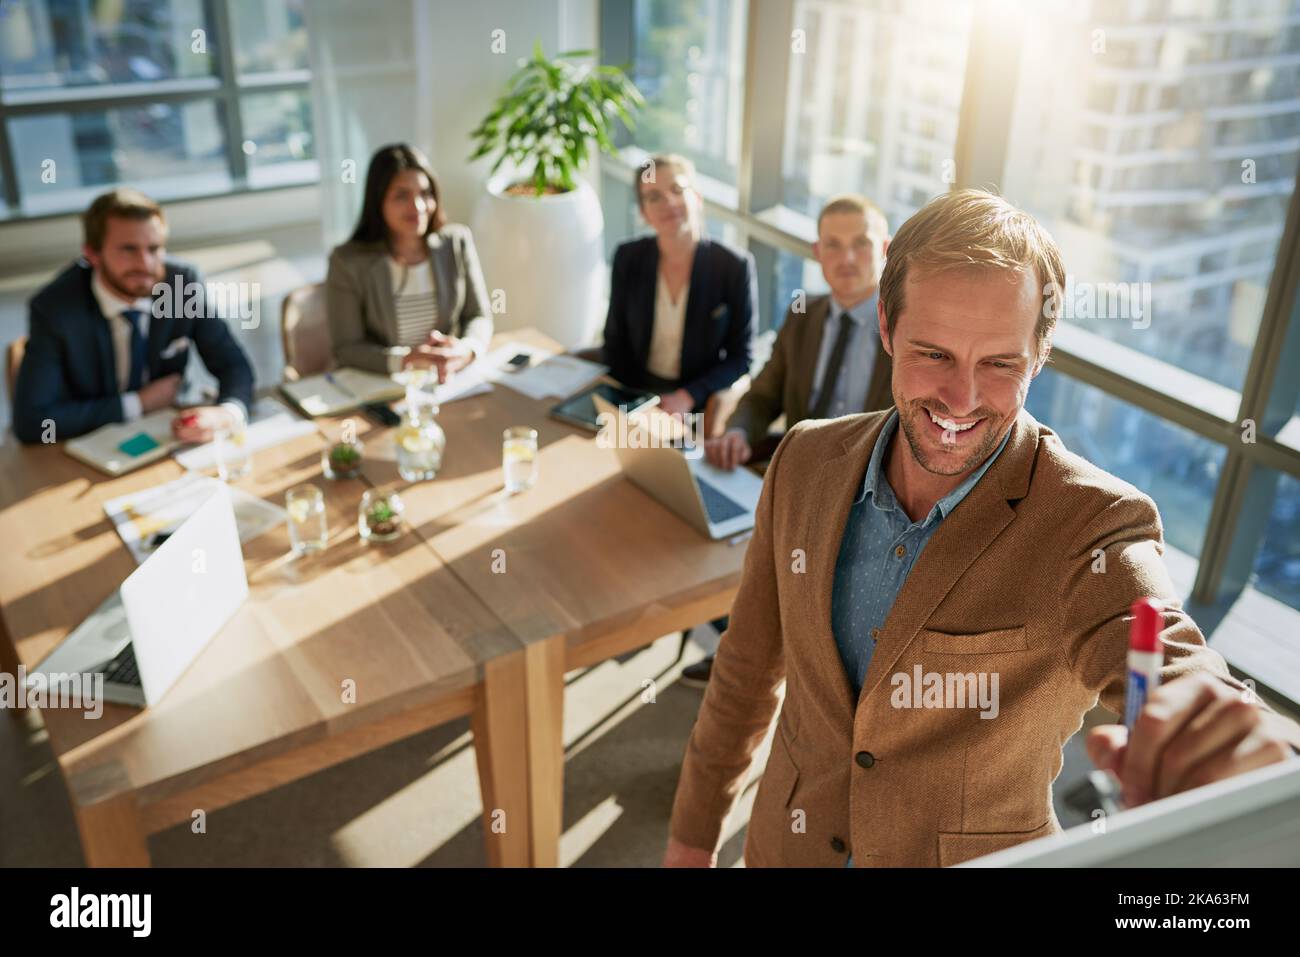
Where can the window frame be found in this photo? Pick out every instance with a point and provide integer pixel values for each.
(225, 88)
(1239, 512)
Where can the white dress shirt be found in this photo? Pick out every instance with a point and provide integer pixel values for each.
(119, 327)
(665, 358)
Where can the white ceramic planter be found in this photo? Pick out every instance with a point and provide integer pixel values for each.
(547, 255)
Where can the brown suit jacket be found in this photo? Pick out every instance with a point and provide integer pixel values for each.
(786, 381)
(1006, 585)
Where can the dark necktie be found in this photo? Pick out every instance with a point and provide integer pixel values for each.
(832, 374)
(139, 350)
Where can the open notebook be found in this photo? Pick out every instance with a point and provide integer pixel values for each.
(340, 390)
(121, 447)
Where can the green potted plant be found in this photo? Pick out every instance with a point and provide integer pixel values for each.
(342, 460)
(538, 228)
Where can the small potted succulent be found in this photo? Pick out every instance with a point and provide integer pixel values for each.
(342, 460)
(380, 517)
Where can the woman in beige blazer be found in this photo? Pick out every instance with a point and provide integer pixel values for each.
(407, 288)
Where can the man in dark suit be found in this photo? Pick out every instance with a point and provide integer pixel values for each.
(110, 336)
(827, 360)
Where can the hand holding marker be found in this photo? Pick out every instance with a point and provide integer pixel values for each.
(1144, 658)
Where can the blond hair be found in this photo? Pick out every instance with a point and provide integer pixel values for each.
(120, 203)
(973, 228)
(853, 203)
(648, 171)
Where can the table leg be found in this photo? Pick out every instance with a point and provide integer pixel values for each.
(545, 663)
(9, 665)
(111, 834)
(500, 728)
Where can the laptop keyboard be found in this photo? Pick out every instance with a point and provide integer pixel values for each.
(122, 669)
(717, 505)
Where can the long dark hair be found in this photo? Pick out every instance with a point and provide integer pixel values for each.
(387, 162)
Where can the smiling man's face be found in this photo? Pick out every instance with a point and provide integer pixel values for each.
(964, 353)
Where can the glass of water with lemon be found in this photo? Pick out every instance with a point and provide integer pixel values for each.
(234, 457)
(307, 528)
(519, 458)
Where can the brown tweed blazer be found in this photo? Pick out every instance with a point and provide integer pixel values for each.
(1006, 585)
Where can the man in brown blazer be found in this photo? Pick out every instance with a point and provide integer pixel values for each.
(827, 359)
(952, 537)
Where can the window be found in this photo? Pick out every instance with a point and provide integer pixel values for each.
(689, 64)
(179, 98)
(1177, 468)
(873, 101)
(1160, 144)
(1180, 187)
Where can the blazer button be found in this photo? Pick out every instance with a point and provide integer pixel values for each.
(838, 846)
(865, 759)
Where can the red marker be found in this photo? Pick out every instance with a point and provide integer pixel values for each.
(1145, 657)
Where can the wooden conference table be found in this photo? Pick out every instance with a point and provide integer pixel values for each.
(480, 612)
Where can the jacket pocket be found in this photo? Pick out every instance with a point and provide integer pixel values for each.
(956, 848)
(977, 643)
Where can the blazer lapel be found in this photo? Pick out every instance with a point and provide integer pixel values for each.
(805, 363)
(159, 329)
(645, 301)
(961, 538)
(837, 484)
(380, 285)
(442, 261)
(694, 313)
(103, 339)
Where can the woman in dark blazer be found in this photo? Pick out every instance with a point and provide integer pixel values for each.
(407, 288)
(681, 306)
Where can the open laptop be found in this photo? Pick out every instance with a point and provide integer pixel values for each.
(153, 627)
(716, 502)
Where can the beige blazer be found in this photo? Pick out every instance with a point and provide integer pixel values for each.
(359, 299)
(1006, 585)
(786, 382)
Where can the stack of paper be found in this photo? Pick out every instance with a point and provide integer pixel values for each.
(142, 516)
(556, 376)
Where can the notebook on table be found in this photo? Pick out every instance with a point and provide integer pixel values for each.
(340, 391)
(122, 446)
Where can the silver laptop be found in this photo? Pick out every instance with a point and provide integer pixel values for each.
(716, 502)
(153, 627)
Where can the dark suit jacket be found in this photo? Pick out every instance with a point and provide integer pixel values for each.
(69, 374)
(719, 325)
(786, 382)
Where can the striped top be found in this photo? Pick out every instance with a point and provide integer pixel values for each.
(415, 301)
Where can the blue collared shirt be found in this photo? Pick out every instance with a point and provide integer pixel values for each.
(879, 548)
(855, 376)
